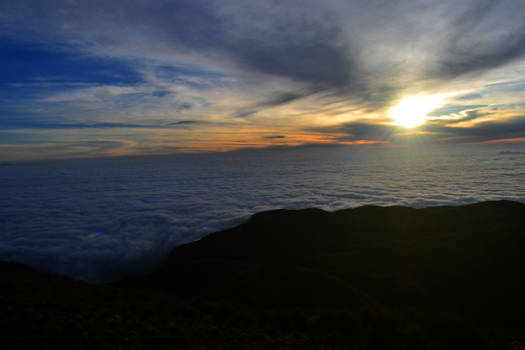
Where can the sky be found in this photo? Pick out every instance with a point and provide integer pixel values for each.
(111, 78)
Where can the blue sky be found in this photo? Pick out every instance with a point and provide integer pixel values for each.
(98, 78)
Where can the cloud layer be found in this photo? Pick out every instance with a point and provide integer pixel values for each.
(107, 218)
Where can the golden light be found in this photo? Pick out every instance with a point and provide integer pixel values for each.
(412, 110)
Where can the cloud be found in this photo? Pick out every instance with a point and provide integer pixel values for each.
(494, 54)
(473, 96)
(480, 44)
(354, 131)
(283, 98)
(50, 126)
(480, 132)
(184, 122)
(469, 116)
(47, 224)
(454, 109)
(275, 137)
(245, 114)
(437, 130)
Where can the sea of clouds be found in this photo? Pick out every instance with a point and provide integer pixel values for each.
(105, 219)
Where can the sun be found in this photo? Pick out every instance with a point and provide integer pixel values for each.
(412, 111)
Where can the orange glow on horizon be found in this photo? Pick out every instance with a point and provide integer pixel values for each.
(364, 142)
(509, 140)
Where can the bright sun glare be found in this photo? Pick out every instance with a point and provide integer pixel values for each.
(412, 111)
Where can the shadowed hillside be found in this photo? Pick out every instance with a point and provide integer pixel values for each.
(364, 278)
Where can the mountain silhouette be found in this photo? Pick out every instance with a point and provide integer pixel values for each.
(450, 277)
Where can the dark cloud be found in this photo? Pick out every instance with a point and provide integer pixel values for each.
(245, 114)
(480, 132)
(472, 96)
(363, 131)
(453, 108)
(478, 42)
(283, 98)
(435, 130)
(183, 122)
(275, 137)
(355, 131)
(468, 116)
(506, 106)
(318, 60)
(491, 55)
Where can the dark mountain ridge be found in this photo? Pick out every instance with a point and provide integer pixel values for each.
(462, 255)
(450, 277)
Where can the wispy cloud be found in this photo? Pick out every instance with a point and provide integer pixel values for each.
(275, 137)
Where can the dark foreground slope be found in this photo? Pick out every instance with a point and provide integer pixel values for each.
(365, 278)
